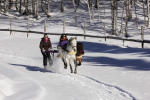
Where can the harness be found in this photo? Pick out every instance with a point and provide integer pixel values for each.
(79, 56)
(72, 53)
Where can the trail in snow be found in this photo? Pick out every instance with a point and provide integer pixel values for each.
(60, 85)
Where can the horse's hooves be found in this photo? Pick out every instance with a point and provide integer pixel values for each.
(75, 72)
(65, 67)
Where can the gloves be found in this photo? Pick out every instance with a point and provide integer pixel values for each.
(43, 50)
(49, 49)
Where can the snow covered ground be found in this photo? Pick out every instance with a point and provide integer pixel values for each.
(110, 71)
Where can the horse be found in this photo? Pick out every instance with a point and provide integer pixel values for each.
(68, 55)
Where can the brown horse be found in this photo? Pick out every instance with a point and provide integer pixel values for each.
(79, 54)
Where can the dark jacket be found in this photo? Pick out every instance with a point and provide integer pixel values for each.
(45, 45)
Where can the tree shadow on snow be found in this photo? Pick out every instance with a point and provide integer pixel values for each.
(132, 64)
(112, 49)
(31, 68)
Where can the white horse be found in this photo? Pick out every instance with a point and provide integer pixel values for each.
(68, 55)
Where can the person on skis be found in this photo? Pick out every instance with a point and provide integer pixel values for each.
(46, 46)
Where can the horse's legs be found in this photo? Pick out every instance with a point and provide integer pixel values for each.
(70, 66)
(75, 63)
(65, 63)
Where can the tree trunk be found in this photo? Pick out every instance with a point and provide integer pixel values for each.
(16, 5)
(90, 3)
(129, 15)
(36, 9)
(48, 8)
(136, 13)
(144, 12)
(0, 5)
(26, 3)
(62, 5)
(5, 5)
(10, 4)
(148, 12)
(127, 18)
(20, 8)
(114, 16)
(96, 3)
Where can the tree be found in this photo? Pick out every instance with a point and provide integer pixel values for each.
(114, 16)
(62, 5)
(20, 7)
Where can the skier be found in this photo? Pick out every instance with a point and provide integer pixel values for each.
(46, 46)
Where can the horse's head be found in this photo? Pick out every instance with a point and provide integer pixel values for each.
(73, 43)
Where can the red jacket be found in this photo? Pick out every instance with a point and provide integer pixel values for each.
(45, 45)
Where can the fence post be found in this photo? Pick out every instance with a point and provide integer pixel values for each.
(27, 26)
(45, 26)
(10, 29)
(142, 36)
(84, 30)
(123, 42)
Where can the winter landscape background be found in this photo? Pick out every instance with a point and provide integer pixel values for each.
(110, 70)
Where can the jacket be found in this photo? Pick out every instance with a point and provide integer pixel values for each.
(45, 45)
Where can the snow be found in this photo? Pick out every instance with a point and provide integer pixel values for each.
(110, 70)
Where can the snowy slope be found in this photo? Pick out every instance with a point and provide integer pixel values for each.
(110, 71)
(23, 77)
(101, 77)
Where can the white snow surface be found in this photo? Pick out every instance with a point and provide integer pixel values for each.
(110, 71)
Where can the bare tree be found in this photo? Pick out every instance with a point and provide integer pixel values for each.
(26, 4)
(48, 8)
(0, 2)
(10, 4)
(114, 16)
(128, 10)
(96, 4)
(148, 11)
(136, 12)
(16, 5)
(36, 9)
(62, 5)
(20, 7)
(127, 18)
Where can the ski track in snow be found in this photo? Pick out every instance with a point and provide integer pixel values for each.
(100, 90)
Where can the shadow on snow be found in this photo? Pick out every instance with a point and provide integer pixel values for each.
(31, 68)
(132, 64)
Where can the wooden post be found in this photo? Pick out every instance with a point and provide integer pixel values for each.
(27, 26)
(142, 36)
(45, 26)
(10, 25)
(123, 42)
(105, 39)
(84, 30)
(64, 26)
